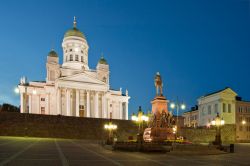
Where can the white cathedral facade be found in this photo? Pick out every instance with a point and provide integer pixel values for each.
(73, 89)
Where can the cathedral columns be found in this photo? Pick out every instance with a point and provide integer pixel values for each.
(88, 104)
(59, 112)
(22, 99)
(120, 110)
(47, 104)
(68, 104)
(77, 102)
(30, 104)
(96, 105)
(126, 111)
(104, 106)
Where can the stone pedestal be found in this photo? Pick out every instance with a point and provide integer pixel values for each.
(159, 104)
(161, 127)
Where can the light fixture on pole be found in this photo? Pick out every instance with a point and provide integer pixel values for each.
(110, 128)
(218, 122)
(140, 118)
(178, 106)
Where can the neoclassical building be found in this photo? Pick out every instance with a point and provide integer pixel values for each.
(73, 89)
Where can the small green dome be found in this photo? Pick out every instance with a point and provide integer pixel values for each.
(74, 32)
(52, 53)
(103, 61)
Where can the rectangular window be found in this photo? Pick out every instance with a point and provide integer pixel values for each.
(81, 58)
(71, 58)
(224, 107)
(229, 108)
(209, 110)
(42, 99)
(42, 110)
(240, 128)
(76, 58)
(216, 108)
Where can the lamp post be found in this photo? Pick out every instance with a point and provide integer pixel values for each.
(110, 128)
(178, 106)
(140, 118)
(218, 122)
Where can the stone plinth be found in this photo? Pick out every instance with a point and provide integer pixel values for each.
(159, 104)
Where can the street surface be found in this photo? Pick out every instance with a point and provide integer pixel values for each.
(52, 152)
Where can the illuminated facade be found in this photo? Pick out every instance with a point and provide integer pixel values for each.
(222, 102)
(191, 117)
(242, 120)
(73, 89)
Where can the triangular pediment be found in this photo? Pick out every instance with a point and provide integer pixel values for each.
(229, 91)
(82, 78)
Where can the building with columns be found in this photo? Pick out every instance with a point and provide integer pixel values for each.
(73, 89)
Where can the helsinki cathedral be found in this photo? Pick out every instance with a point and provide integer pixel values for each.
(73, 89)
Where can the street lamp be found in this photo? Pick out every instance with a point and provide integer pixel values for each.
(140, 118)
(218, 122)
(178, 106)
(110, 128)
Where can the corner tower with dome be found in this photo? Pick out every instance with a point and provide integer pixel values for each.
(72, 88)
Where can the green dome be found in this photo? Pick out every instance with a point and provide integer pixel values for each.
(52, 53)
(74, 32)
(103, 61)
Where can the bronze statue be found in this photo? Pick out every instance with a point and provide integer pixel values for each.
(158, 84)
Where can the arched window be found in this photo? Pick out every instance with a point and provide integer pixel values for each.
(71, 57)
(76, 58)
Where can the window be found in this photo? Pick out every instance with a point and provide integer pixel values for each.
(203, 111)
(82, 51)
(229, 108)
(42, 99)
(70, 50)
(66, 51)
(76, 58)
(81, 58)
(209, 110)
(110, 115)
(43, 110)
(224, 107)
(240, 128)
(216, 108)
(71, 58)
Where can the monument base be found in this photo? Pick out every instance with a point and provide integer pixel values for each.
(159, 104)
(158, 134)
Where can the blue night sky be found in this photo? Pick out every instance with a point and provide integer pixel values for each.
(197, 46)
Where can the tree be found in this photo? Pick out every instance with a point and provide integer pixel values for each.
(9, 108)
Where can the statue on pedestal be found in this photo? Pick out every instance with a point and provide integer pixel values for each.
(161, 122)
(158, 84)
